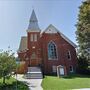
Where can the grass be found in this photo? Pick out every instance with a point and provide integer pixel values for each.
(11, 85)
(66, 83)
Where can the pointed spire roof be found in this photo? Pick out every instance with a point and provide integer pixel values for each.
(33, 17)
(33, 23)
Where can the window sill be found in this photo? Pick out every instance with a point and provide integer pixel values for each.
(52, 59)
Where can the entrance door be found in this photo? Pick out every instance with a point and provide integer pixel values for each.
(61, 71)
(33, 59)
(33, 62)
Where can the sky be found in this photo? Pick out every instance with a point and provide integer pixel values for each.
(15, 15)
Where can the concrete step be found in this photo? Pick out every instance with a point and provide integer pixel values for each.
(34, 69)
(34, 72)
(34, 75)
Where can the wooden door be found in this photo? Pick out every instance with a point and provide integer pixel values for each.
(34, 62)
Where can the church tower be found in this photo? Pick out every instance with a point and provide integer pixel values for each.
(33, 31)
(33, 35)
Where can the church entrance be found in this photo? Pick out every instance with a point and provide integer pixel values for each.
(33, 62)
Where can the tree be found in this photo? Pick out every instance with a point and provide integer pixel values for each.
(83, 65)
(7, 64)
(83, 30)
(82, 62)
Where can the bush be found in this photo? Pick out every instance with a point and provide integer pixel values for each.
(20, 86)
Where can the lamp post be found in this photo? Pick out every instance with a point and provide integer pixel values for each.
(26, 64)
(16, 79)
(17, 63)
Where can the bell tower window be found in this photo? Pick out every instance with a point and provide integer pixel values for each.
(31, 37)
(35, 37)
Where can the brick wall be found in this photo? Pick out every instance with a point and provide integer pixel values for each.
(41, 51)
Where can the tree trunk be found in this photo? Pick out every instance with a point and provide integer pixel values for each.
(4, 79)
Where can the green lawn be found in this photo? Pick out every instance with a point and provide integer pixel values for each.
(66, 83)
(11, 85)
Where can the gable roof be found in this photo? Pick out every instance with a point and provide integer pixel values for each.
(52, 29)
(23, 44)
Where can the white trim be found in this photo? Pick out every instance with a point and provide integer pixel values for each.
(50, 27)
(51, 30)
(53, 59)
(33, 30)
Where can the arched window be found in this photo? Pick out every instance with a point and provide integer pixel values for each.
(52, 52)
(71, 68)
(69, 55)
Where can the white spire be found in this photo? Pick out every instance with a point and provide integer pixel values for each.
(33, 23)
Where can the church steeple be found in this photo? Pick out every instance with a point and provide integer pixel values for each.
(33, 17)
(33, 23)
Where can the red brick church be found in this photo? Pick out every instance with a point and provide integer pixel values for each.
(49, 49)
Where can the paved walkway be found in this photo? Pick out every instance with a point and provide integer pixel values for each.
(34, 84)
(82, 89)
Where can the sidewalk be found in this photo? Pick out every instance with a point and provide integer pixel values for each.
(34, 84)
(82, 89)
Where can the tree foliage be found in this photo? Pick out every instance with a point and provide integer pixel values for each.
(83, 30)
(7, 64)
(82, 62)
(83, 65)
